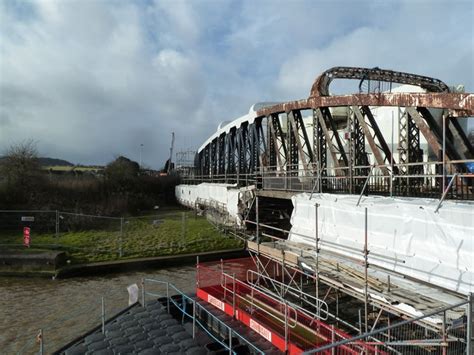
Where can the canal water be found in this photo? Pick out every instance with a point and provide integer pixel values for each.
(67, 308)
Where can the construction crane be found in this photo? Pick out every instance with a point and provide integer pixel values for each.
(171, 153)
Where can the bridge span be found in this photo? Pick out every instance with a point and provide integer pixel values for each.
(367, 192)
(330, 143)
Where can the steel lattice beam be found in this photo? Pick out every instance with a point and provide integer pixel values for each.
(430, 129)
(221, 154)
(380, 138)
(214, 157)
(241, 138)
(301, 139)
(293, 156)
(279, 152)
(368, 136)
(332, 149)
(461, 138)
(230, 152)
(334, 138)
(359, 155)
(320, 145)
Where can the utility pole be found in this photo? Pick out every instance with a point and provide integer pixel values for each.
(141, 147)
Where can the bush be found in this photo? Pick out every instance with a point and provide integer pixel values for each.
(121, 189)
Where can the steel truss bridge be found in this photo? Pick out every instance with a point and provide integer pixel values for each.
(340, 144)
(307, 145)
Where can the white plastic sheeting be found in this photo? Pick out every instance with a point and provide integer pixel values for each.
(225, 196)
(404, 235)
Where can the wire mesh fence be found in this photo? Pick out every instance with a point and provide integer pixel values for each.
(95, 238)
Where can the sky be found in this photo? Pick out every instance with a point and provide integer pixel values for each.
(89, 80)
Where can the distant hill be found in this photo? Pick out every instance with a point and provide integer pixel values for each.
(62, 165)
(53, 162)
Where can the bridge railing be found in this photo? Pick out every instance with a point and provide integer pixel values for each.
(423, 179)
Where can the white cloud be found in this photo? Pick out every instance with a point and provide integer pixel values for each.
(83, 84)
(409, 40)
(180, 17)
(92, 79)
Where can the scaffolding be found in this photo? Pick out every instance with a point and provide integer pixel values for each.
(378, 310)
(388, 313)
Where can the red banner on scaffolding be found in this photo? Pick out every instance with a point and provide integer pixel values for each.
(26, 237)
(226, 286)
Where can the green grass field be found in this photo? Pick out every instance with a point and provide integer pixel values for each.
(148, 237)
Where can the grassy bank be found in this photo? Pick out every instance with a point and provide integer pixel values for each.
(166, 234)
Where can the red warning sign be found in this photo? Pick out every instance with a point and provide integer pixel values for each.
(26, 236)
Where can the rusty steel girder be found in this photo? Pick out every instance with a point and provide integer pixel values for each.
(460, 105)
(321, 84)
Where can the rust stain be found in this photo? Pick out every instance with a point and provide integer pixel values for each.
(461, 105)
(321, 84)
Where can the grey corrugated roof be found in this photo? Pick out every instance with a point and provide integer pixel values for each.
(149, 330)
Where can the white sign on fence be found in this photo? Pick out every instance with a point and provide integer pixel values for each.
(27, 218)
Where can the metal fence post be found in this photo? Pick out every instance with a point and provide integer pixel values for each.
(470, 324)
(197, 271)
(389, 336)
(258, 225)
(183, 302)
(233, 295)
(143, 292)
(168, 297)
(366, 266)
(391, 164)
(40, 341)
(286, 327)
(444, 152)
(57, 225)
(103, 316)
(183, 225)
(121, 236)
(333, 340)
(316, 281)
(445, 344)
(223, 279)
(194, 319)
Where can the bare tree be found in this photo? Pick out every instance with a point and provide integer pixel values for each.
(20, 164)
